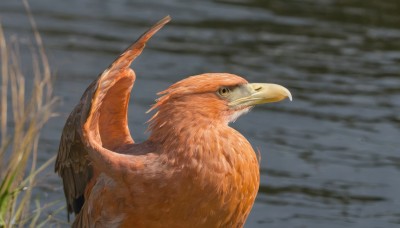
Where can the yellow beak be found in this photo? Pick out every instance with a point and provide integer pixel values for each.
(258, 93)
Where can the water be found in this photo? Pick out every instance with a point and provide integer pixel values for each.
(330, 158)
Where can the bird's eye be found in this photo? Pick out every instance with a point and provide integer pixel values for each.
(224, 91)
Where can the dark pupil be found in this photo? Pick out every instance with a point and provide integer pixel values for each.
(224, 90)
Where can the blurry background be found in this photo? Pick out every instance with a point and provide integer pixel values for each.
(330, 158)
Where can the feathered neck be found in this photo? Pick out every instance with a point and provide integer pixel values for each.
(192, 126)
(193, 132)
(187, 116)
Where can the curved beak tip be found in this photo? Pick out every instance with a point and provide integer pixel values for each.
(289, 95)
(284, 92)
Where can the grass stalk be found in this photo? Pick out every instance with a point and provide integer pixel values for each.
(22, 118)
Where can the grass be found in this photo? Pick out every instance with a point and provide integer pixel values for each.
(24, 109)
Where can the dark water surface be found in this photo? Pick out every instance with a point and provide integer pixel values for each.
(331, 158)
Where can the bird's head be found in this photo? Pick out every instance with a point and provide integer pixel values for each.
(213, 97)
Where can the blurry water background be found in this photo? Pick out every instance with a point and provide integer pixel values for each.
(330, 158)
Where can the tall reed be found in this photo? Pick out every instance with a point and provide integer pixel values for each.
(23, 116)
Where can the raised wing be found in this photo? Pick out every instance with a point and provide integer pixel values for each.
(107, 99)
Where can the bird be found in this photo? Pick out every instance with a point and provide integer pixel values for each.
(194, 170)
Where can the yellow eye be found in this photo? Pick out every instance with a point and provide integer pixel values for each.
(224, 91)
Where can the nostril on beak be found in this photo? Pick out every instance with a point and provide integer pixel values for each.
(258, 88)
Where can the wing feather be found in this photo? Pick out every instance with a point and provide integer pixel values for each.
(107, 98)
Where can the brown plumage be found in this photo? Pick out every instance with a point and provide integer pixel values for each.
(193, 171)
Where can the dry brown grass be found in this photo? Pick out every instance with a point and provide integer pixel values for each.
(22, 118)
